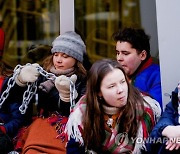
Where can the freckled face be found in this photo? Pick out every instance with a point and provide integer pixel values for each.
(62, 61)
(114, 88)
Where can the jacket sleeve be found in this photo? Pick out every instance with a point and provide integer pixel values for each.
(15, 93)
(9, 112)
(169, 117)
(156, 142)
(15, 120)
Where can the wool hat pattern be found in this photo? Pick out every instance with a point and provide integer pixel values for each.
(71, 44)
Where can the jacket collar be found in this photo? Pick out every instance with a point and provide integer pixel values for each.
(142, 67)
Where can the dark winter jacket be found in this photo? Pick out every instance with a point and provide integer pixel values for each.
(10, 117)
(168, 118)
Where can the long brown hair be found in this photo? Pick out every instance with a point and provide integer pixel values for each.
(94, 131)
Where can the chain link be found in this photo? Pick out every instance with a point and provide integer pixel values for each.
(10, 84)
(72, 94)
(49, 76)
(32, 88)
(27, 96)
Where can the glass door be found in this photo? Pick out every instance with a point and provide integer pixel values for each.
(27, 22)
(97, 20)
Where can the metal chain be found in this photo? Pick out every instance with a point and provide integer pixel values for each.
(32, 88)
(72, 94)
(49, 76)
(27, 96)
(10, 84)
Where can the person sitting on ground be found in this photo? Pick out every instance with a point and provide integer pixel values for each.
(11, 119)
(165, 136)
(111, 115)
(60, 85)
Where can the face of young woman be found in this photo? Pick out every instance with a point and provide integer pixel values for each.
(128, 57)
(114, 88)
(62, 61)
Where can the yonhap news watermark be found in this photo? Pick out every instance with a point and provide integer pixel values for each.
(123, 139)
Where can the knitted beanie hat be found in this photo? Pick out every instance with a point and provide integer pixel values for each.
(71, 44)
(1, 42)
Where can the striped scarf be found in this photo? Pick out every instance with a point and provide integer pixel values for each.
(114, 142)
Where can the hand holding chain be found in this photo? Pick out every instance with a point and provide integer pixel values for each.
(32, 88)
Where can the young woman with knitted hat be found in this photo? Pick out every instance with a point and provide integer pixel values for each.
(112, 114)
(54, 95)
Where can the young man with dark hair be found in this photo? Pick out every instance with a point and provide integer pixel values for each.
(133, 53)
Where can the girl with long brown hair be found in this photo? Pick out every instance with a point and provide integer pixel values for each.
(112, 114)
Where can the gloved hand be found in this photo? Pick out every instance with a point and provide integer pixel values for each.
(62, 84)
(28, 73)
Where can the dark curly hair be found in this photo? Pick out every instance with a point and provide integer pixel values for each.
(136, 37)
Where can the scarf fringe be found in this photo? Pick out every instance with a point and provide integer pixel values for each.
(139, 146)
(73, 128)
(155, 107)
(60, 124)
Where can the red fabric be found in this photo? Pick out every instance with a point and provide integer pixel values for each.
(60, 123)
(1, 82)
(3, 129)
(151, 124)
(146, 64)
(1, 42)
